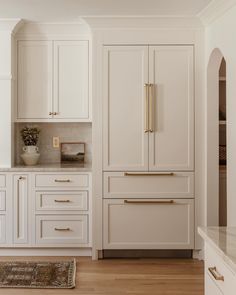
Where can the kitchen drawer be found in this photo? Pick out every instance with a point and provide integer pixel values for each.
(53, 200)
(62, 180)
(2, 180)
(2, 200)
(148, 224)
(152, 185)
(61, 230)
(210, 287)
(2, 229)
(219, 272)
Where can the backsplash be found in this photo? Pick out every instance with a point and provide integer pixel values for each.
(67, 132)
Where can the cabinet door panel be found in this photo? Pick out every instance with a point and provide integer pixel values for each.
(210, 287)
(20, 196)
(71, 80)
(171, 145)
(148, 224)
(34, 79)
(125, 73)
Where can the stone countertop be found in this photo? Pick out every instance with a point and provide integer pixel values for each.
(223, 240)
(53, 167)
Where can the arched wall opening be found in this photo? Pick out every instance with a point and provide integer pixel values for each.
(213, 139)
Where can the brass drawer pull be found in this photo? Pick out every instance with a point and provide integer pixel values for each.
(151, 90)
(21, 177)
(62, 180)
(62, 229)
(146, 129)
(62, 201)
(149, 202)
(149, 174)
(215, 274)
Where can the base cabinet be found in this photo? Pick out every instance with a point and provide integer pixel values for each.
(148, 224)
(219, 277)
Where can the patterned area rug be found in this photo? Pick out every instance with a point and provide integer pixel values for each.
(59, 275)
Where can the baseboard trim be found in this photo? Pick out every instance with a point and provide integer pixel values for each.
(147, 254)
(45, 252)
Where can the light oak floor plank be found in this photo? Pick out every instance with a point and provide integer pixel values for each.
(127, 276)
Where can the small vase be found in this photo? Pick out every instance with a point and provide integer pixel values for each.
(30, 155)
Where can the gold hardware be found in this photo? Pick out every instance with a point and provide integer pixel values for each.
(62, 229)
(62, 201)
(149, 202)
(50, 113)
(146, 108)
(149, 174)
(21, 177)
(62, 180)
(55, 113)
(215, 274)
(150, 92)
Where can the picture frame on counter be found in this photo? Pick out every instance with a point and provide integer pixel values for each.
(72, 152)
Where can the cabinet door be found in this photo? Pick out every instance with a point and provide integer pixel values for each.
(20, 199)
(148, 224)
(34, 80)
(124, 74)
(71, 80)
(210, 287)
(171, 101)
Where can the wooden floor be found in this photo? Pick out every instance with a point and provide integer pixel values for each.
(129, 276)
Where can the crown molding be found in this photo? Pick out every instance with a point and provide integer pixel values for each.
(141, 22)
(10, 24)
(214, 10)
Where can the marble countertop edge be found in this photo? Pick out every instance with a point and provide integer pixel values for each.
(228, 254)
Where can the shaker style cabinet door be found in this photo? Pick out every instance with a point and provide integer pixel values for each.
(34, 97)
(125, 143)
(171, 108)
(20, 203)
(71, 80)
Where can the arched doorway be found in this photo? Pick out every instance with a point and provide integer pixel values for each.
(216, 140)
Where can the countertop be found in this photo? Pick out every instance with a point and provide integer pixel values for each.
(223, 240)
(54, 167)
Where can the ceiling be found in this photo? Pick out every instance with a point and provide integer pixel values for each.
(70, 10)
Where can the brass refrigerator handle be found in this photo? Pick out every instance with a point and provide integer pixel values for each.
(149, 174)
(215, 274)
(150, 111)
(146, 128)
(163, 202)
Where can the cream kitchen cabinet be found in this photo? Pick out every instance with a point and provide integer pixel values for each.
(21, 223)
(148, 118)
(148, 224)
(53, 81)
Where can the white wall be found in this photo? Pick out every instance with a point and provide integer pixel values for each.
(221, 34)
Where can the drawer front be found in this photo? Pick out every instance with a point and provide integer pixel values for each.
(62, 230)
(219, 272)
(210, 287)
(2, 229)
(2, 180)
(61, 200)
(148, 224)
(61, 180)
(144, 185)
(2, 200)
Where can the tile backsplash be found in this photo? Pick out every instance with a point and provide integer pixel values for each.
(67, 132)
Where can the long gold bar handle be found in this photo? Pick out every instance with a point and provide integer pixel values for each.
(62, 229)
(215, 274)
(168, 202)
(150, 123)
(62, 180)
(62, 201)
(149, 174)
(146, 129)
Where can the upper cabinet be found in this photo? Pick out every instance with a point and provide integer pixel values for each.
(53, 81)
(148, 108)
